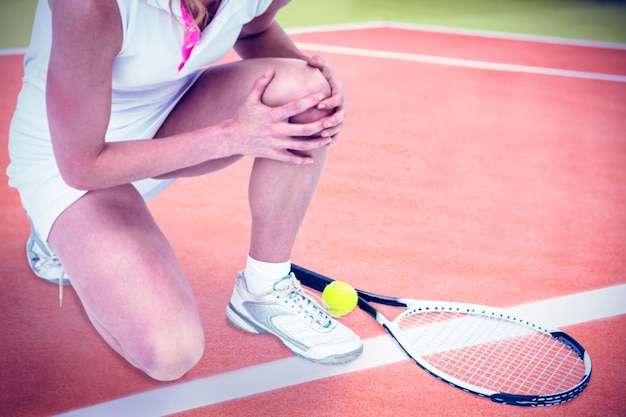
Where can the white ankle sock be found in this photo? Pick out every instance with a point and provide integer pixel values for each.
(261, 276)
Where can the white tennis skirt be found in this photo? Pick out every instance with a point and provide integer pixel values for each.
(33, 170)
(45, 195)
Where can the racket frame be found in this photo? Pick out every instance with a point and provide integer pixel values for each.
(318, 282)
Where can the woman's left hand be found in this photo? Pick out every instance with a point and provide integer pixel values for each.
(336, 101)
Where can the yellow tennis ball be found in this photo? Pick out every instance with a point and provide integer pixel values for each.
(340, 298)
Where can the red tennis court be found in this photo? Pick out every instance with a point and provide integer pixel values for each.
(471, 168)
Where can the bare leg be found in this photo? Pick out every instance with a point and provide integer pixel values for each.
(279, 193)
(123, 268)
(129, 281)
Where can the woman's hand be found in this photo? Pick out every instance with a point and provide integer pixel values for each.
(265, 132)
(337, 99)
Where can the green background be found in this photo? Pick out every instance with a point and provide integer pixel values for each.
(602, 20)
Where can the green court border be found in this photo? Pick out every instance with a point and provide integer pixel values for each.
(599, 20)
(578, 19)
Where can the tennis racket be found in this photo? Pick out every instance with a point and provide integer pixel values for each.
(483, 350)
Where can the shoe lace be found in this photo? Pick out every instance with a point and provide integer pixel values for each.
(47, 262)
(303, 300)
(54, 262)
(45, 259)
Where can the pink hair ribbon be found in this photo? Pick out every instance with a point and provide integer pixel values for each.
(192, 35)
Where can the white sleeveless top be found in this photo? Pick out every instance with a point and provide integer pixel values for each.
(146, 87)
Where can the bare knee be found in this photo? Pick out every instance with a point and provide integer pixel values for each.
(295, 79)
(167, 355)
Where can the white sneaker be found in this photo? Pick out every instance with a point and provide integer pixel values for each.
(298, 321)
(43, 261)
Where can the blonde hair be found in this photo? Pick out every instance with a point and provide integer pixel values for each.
(197, 10)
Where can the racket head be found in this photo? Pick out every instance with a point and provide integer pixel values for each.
(492, 352)
(499, 346)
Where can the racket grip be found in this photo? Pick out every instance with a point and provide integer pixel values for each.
(309, 278)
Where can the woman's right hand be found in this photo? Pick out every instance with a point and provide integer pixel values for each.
(266, 132)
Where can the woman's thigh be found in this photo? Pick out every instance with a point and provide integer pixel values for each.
(220, 91)
(129, 280)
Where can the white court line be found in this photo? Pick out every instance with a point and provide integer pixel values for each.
(457, 62)
(418, 27)
(12, 51)
(378, 351)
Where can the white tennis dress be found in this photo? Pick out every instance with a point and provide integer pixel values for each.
(146, 86)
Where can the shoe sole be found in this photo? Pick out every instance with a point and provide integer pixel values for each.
(55, 281)
(241, 323)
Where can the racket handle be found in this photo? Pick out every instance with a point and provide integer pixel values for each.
(309, 278)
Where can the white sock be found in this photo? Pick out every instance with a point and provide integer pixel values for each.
(261, 276)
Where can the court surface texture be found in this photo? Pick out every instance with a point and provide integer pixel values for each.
(473, 166)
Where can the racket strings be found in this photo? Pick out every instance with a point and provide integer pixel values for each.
(540, 364)
(490, 352)
(501, 359)
(535, 365)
